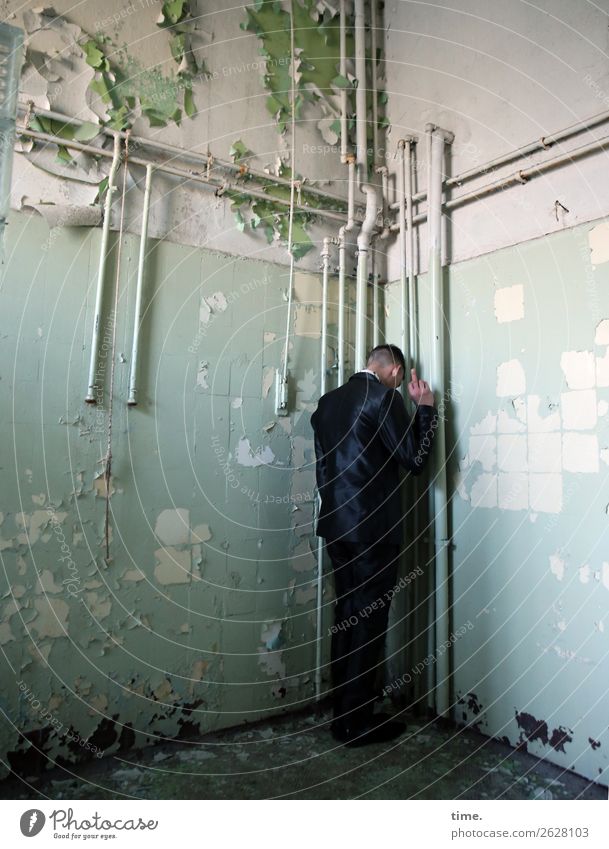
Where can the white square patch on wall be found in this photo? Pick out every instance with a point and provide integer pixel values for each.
(513, 491)
(512, 453)
(579, 411)
(509, 303)
(484, 491)
(545, 452)
(578, 369)
(483, 449)
(511, 380)
(538, 423)
(580, 452)
(545, 493)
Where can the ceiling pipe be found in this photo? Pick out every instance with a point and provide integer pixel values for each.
(90, 397)
(132, 399)
(438, 138)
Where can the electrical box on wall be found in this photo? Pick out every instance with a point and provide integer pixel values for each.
(11, 58)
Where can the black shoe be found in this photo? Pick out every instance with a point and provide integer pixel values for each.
(367, 735)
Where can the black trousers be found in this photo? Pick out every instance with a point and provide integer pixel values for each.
(364, 578)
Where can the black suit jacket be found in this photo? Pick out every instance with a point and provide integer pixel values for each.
(363, 434)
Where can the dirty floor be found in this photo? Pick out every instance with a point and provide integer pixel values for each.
(295, 757)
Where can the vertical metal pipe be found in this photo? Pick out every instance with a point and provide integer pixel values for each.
(410, 269)
(343, 91)
(402, 221)
(103, 255)
(375, 300)
(361, 135)
(341, 306)
(374, 83)
(132, 400)
(325, 255)
(440, 496)
(361, 297)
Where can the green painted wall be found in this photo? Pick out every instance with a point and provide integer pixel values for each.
(204, 616)
(527, 434)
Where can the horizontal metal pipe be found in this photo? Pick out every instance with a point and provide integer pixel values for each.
(518, 177)
(180, 152)
(186, 175)
(540, 144)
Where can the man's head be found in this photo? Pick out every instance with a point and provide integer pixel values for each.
(387, 362)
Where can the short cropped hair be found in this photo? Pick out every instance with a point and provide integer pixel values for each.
(387, 355)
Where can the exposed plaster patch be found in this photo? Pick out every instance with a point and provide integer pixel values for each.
(598, 240)
(538, 423)
(557, 566)
(173, 526)
(202, 374)
(602, 369)
(484, 491)
(511, 379)
(46, 583)
(578, 409)
(268, 379)
(545, 452)
(307, 321)
(236, 403)
(486, 425)
(99, 607)
(52, 619)
(173, 566)
(303, 596)
(578, 369)
(269, 337)
(307, 388)
(513, 491)
(512, 453)
(100, 485)
(585, 573)
(580, 452)
(246, 457)
(545, 493)
(507, 424)
(204, 312)
(134, 575)
(601, 337)
(509, 303)
(217, 302)
(605, 575)
(201, 533)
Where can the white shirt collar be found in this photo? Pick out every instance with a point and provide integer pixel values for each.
(369, 371)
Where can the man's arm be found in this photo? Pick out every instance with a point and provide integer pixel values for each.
(321, 468)
(408, 440)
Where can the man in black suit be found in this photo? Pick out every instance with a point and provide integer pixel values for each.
(363, 434)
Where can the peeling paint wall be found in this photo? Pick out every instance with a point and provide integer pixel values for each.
(204, 615)
(228, 105)
(528, 447)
